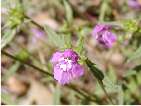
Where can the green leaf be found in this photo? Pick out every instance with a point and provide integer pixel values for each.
(139, 78)
(11, 71)
(7, 99)
(57, 95)
(67, 39)
(80, 46)
(120, 96)
(132, 86)
(130, 25)
(135, 55)
(96, 72)
(7, 37)
(69, 13)
(137, 68)
(103, 10)
(129, 73)
(112, 87)
(54, 38)
(133, 71)
(22, 55)
(112, 73)
(16, 15)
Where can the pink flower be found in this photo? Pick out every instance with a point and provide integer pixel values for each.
(103, 35)
(134, 4)
(66, 66)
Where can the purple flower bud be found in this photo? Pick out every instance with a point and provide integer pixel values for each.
(66, 66)
(134, 4)
(38, 34)
(103, 35)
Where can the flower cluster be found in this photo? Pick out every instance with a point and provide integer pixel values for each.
(65, 63)
(103, 35)
(66, 66)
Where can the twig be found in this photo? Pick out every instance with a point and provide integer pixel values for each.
(104, 90)
(47, 73)
(28, 64)
(34, 22)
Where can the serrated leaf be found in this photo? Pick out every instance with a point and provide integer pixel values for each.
(54, 38)
(67, 39)
(112, 87)
(96, 72)
(80, 46)
(11, 71)
(69, 13)
(135, 55)
(111, 74)
(7, 37)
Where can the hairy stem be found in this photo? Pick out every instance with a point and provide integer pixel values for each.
(103, 10)
(104, 90)
(25, 63)
(34, 22)
(49, 74)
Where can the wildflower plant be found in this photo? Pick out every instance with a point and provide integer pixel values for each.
(69, 59)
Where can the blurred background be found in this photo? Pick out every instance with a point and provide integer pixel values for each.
(23, 36)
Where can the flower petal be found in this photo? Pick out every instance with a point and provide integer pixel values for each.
(109, 38)
(56, 56)
(57, 73)
(99, 28)
(69, 53)
(77, 71)
(134, 4)
(65, 78)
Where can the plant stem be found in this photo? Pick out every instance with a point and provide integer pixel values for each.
(83, 94)
(34, 22)
(104, 90)
(103, 9)
(49, 74)
(28, 64)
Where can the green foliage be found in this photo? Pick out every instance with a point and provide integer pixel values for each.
(56, 39)
(111, 73)
(7, 99)
(69, 12)
(14, 19)
(96, 72)
(15, 14)
(132, 85)
(79, 46)
(135, 55)
(110, 83)
(11, 71)
(112, 87)
(130, 25)
(103, 10)
(22, 55)
(57, 95)
(7, 37)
